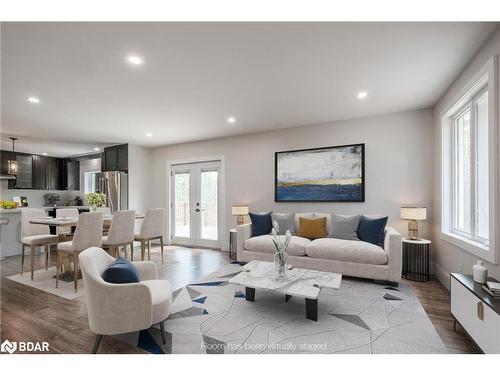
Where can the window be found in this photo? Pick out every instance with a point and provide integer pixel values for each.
(469, 187)
(470, 170)
(89, 182)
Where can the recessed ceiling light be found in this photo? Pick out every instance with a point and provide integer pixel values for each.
(134, 60)
(362, 95)
(231, 120)
(96, 148)
(149, 135)
(44, 153)
(33, 100)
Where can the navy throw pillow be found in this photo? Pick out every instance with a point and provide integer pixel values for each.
(121, 271)
(261, 224)
(372, 230)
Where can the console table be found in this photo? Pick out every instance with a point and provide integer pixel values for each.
(476, 311)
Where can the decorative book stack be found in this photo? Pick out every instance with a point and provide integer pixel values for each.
(493, 289)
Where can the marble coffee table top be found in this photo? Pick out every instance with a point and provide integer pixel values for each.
(300, 282)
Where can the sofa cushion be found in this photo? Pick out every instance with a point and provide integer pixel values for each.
(121, 271)
(372, 230)
(344, 227)
(261, 224)
(312, 228)
(308, 215)
(328, 216)
(264, 244)
(285, 222)
(346, 251)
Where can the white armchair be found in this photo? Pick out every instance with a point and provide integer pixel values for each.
(121, 308)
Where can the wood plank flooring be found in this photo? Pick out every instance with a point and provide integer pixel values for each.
(30, 314)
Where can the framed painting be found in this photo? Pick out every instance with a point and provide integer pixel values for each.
(327, 174)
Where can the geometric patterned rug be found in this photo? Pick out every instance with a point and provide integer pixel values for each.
(212, 316)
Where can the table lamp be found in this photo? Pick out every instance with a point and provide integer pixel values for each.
(414, 215)
(239, 210)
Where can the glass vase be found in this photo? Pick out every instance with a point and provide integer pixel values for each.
(280, 267)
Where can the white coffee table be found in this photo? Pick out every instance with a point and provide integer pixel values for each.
(299, 283)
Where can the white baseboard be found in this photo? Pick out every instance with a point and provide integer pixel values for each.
(442, 275)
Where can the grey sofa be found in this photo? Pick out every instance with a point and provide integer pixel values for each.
(350, 258)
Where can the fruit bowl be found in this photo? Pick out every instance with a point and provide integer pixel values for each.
(8, 204)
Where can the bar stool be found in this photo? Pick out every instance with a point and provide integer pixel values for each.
(88, 233)
(35, 235)
(151, 229)
(121, 233)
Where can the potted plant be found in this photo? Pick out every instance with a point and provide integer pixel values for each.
(95, 200)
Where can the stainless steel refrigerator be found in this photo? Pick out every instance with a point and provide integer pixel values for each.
(115, 186)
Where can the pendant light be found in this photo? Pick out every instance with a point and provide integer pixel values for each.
(13, 164)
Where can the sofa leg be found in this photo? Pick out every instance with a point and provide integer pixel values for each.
(96, 344)
(162, 331)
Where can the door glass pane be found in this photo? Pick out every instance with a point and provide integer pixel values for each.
(209, 215)
(462, 207)
(482, 191)
(182, 203)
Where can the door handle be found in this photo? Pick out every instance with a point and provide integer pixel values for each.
(197, 210)
(480, 310)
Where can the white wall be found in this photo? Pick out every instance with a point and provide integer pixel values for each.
(448, 258)
(139, 179)
(398, 164)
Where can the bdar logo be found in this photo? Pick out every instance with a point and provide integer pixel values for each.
(8, 346)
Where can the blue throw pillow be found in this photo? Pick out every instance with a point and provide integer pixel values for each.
(261, 224)
(121, 271)
(372, 230)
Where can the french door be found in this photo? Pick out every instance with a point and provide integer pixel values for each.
(195, 204)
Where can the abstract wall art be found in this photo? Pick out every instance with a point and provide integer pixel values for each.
(328, 174)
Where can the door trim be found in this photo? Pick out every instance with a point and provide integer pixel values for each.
(203, 159)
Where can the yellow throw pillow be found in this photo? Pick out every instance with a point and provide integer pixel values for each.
(312, 228)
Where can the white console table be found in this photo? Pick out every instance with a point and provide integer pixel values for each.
(476, 312)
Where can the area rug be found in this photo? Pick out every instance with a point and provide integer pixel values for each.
(212, 316)
(44, 280)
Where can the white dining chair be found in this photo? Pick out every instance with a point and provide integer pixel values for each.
(121, 308)
(66, 212)
(88, 233)
(34, 235)
(106, 211)
(151, 229)
(121, 233)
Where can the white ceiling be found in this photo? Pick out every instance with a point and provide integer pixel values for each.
(267, 75)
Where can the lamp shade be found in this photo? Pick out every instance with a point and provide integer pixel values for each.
(414, 213)
(239, 210)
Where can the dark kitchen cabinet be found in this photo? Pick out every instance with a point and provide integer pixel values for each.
(4, 165)
(24, 177)
(115, 158)
(46, 174)
(69, 174)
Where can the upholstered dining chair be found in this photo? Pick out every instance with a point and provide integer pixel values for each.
(35, 235)
(121, 233)
(121, 308)
(66, 212)
(88, 233)
(106, 211)
(151, 229)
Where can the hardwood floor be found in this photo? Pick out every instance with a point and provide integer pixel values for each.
(30, 314)
(435, 300)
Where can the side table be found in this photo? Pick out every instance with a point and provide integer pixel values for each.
(416, 259)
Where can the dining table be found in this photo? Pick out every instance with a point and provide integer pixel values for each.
(71, 222)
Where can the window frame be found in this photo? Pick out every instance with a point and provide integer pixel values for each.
(485, 78)
(471, 106)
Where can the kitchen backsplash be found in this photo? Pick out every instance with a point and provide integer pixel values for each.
(35, 197)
